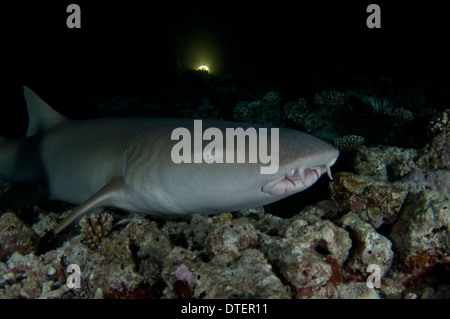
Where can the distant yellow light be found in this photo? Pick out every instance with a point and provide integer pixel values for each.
(203, 68)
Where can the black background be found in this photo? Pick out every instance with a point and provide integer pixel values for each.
(127, 47)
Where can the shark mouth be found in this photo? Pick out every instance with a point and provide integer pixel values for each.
(298, 180)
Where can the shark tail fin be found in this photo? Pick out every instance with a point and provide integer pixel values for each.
(42, 116)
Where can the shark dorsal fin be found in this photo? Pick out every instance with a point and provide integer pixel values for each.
(41, 116)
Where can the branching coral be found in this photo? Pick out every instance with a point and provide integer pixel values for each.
(95, 227)
(402, 114)
(331, 99)
(377, 105)
(348, 143)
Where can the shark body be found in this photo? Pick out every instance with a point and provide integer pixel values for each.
(126, 163)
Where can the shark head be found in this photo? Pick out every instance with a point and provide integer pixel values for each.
(303, 160)
(299, 178)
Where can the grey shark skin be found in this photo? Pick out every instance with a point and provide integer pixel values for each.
(126, 163)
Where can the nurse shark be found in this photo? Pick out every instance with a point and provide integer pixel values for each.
(126, 163)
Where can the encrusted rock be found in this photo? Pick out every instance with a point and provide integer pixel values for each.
(358, 193)
(249, 277)
(422, 244)
(431, 180)
(325, 209)
(229, 237)
(385, 162)
(357, 290)
(16, 236)
(149, 246)
(29, 276)
(436, 155)
(310, 259)
(370, 248)
(423, 226)
(198, 231)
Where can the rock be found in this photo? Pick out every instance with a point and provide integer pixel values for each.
(250, 276)
(198, 231)
(436, 154)
(431, 180)
(422, 244)
(148, 245)
(423, 226)
(386, 163)
(325, 209)
(15, 236)
(310, 258)
(229, 237)
(357, 290)
(358, 193)
(369, 248)
(442, 292)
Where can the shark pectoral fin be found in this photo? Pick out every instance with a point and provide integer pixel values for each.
(102, 198)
